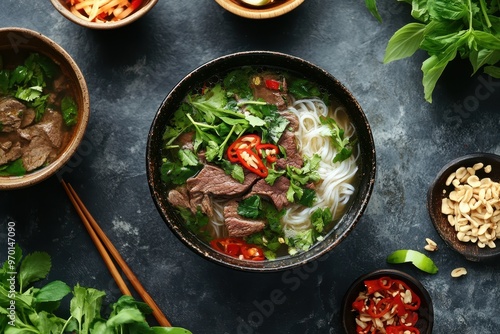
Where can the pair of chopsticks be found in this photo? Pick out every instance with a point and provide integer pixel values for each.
(106, 247)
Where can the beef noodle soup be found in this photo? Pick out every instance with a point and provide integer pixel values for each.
(37, 112)
(260, 163)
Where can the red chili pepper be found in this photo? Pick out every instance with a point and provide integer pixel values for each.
(269, 151)
(135, 4)
(229, 246)
(252, 252)
(359, 305)
(237, 247)
(246, 141)
(372, 286)
(401, 330)
(252, 162)
(273, 84)
(381, 308)
(385, 282)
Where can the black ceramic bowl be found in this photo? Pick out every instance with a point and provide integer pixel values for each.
(425, 312)
(439, 190)
(366, 172)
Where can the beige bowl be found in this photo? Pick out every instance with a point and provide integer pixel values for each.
(264, 12)
(20, 39)
(63, 8)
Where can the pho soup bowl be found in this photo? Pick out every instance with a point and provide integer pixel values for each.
(259, 9)
(471, 184)
(421, 303)
(210, 200)
(104, 17)
(39, 136)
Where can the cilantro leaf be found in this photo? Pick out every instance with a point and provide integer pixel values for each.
(34, 267)
(250, 207)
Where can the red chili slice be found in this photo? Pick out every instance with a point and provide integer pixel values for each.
(269, 151)
(237, 247)
(246, 141)
(252, 162)
(273, 84)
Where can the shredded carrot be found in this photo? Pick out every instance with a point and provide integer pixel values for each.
(103, 10)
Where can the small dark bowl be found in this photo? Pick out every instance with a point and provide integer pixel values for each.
(471, 251)
(425, 313)
(366, 172)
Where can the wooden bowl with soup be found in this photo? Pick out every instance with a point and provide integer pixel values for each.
(260, 161)
(44, 107)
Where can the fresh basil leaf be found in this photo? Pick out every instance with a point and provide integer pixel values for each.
(494, 71)
(405, 42)
(448, 9)
(372, 7)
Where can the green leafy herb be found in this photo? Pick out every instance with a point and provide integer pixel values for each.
(299, 177)
(250, 207)
(14, 168)
(446, 29)
(69, 111)
(36, 307)
(342, 144)
(419, 260)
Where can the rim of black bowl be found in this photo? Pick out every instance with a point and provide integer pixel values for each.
(426, 310)
(367, 167)
(435, 194)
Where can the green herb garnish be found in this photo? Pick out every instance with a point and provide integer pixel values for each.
(446, 29)
(36, 307)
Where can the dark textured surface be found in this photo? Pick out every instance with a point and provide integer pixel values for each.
(129, 72)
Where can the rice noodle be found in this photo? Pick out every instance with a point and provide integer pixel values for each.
(335, 188)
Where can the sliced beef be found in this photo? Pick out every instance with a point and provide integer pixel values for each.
(276, 193)
(10, 152)
(11, 112)
(293, 157)
(237, 225)
(293, 120)
(28, 118)
(214, 181)
(39, 152)
(280, 97)
(179, 197)
(52, 124)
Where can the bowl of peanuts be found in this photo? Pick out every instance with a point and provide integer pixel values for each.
(387, 301)
(464, 205)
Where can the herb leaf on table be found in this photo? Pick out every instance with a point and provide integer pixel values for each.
(36, 307)
(447, 29)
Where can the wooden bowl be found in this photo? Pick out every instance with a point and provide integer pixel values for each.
(439, 190)
(24, 39)
(63, 8)
(264, 12)
(206, 72)
(425, 313)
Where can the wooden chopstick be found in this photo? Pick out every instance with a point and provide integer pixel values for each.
(104, 245)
